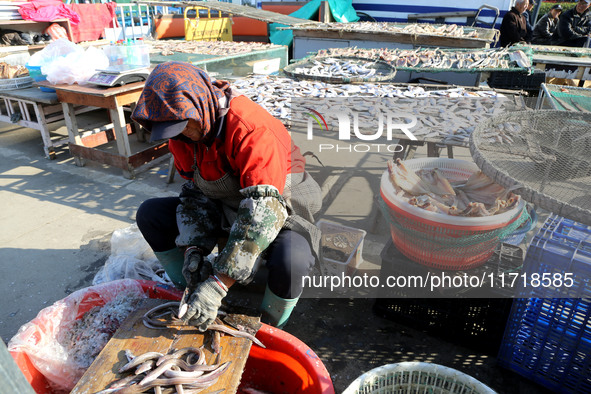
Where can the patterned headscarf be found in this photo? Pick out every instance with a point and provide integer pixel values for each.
(179, 91)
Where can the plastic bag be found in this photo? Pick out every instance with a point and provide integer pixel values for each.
(132, 258)
(39, 338)
(119, 267)
(130, 241)
(76, 66)
(53, 51)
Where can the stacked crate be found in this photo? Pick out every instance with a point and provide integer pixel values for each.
(548, 335)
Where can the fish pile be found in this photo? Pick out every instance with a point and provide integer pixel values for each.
(451, 30)
(560, 49)
(448, 120)
(429, 189)
(184, 371)
(215, 48)
(275, 93)
(83, 339)
(436, 58)
(165, 315)
(443, 115)
(340, 68)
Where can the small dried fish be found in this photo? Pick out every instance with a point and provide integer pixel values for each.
(216, 48)
(451, 30)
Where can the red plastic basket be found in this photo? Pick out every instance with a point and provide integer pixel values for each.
(438, 240)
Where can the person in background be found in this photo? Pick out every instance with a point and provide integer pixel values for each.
(574, 26)
(247, 192)
(528, 26)
(546, 26)
(513, 27)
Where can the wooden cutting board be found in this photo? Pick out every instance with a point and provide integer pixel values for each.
(134, 336)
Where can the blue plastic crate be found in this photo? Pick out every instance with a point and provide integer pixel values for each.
(549, 342)
(561, 247)
(548, 339)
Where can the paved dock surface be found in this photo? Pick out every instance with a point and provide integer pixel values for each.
(57, 221)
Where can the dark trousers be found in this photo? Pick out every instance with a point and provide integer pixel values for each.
(288, 258)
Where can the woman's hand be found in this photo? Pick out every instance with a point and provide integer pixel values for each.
(205, 302)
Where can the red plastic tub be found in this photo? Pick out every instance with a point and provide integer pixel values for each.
(287, 365)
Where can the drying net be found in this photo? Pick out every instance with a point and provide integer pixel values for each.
(569, 98)
(442, 60)
(542, 155)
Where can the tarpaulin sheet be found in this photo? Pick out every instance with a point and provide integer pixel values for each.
(341, 10)
(94, 18)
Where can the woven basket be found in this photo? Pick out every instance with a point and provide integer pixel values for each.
(416, 377)
(385, 72)
(16, 83)
(443, 241)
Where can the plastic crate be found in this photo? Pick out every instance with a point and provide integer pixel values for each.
(477, 323)
(547, 338)
(516, 80)
(549, 342)
(561, 246)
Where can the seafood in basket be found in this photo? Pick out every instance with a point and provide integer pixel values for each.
(431, 190)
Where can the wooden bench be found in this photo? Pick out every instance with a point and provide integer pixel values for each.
(31, 107)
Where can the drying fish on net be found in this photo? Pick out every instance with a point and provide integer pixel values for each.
(217, 48)
(445, 30)
(276, 93)
(180, 371)
(437, 59)
(444, 120)
(341, 69)
(166, 315)
(431, 190)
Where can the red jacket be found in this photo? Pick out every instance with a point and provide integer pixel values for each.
(256, 147)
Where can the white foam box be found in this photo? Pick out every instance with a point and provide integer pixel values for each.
(351, 235)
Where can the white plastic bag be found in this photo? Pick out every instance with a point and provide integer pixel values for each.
(55, 50)
(132, 258)
(130, 241)
(119, 267)
(77, 66)
(39, 337)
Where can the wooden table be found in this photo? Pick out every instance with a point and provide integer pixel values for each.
(84, 146)
(581, 66)
(30, 107)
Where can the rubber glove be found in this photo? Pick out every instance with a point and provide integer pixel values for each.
(196, 268)
(205, 302)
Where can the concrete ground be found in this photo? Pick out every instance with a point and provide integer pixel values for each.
(58, 218)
